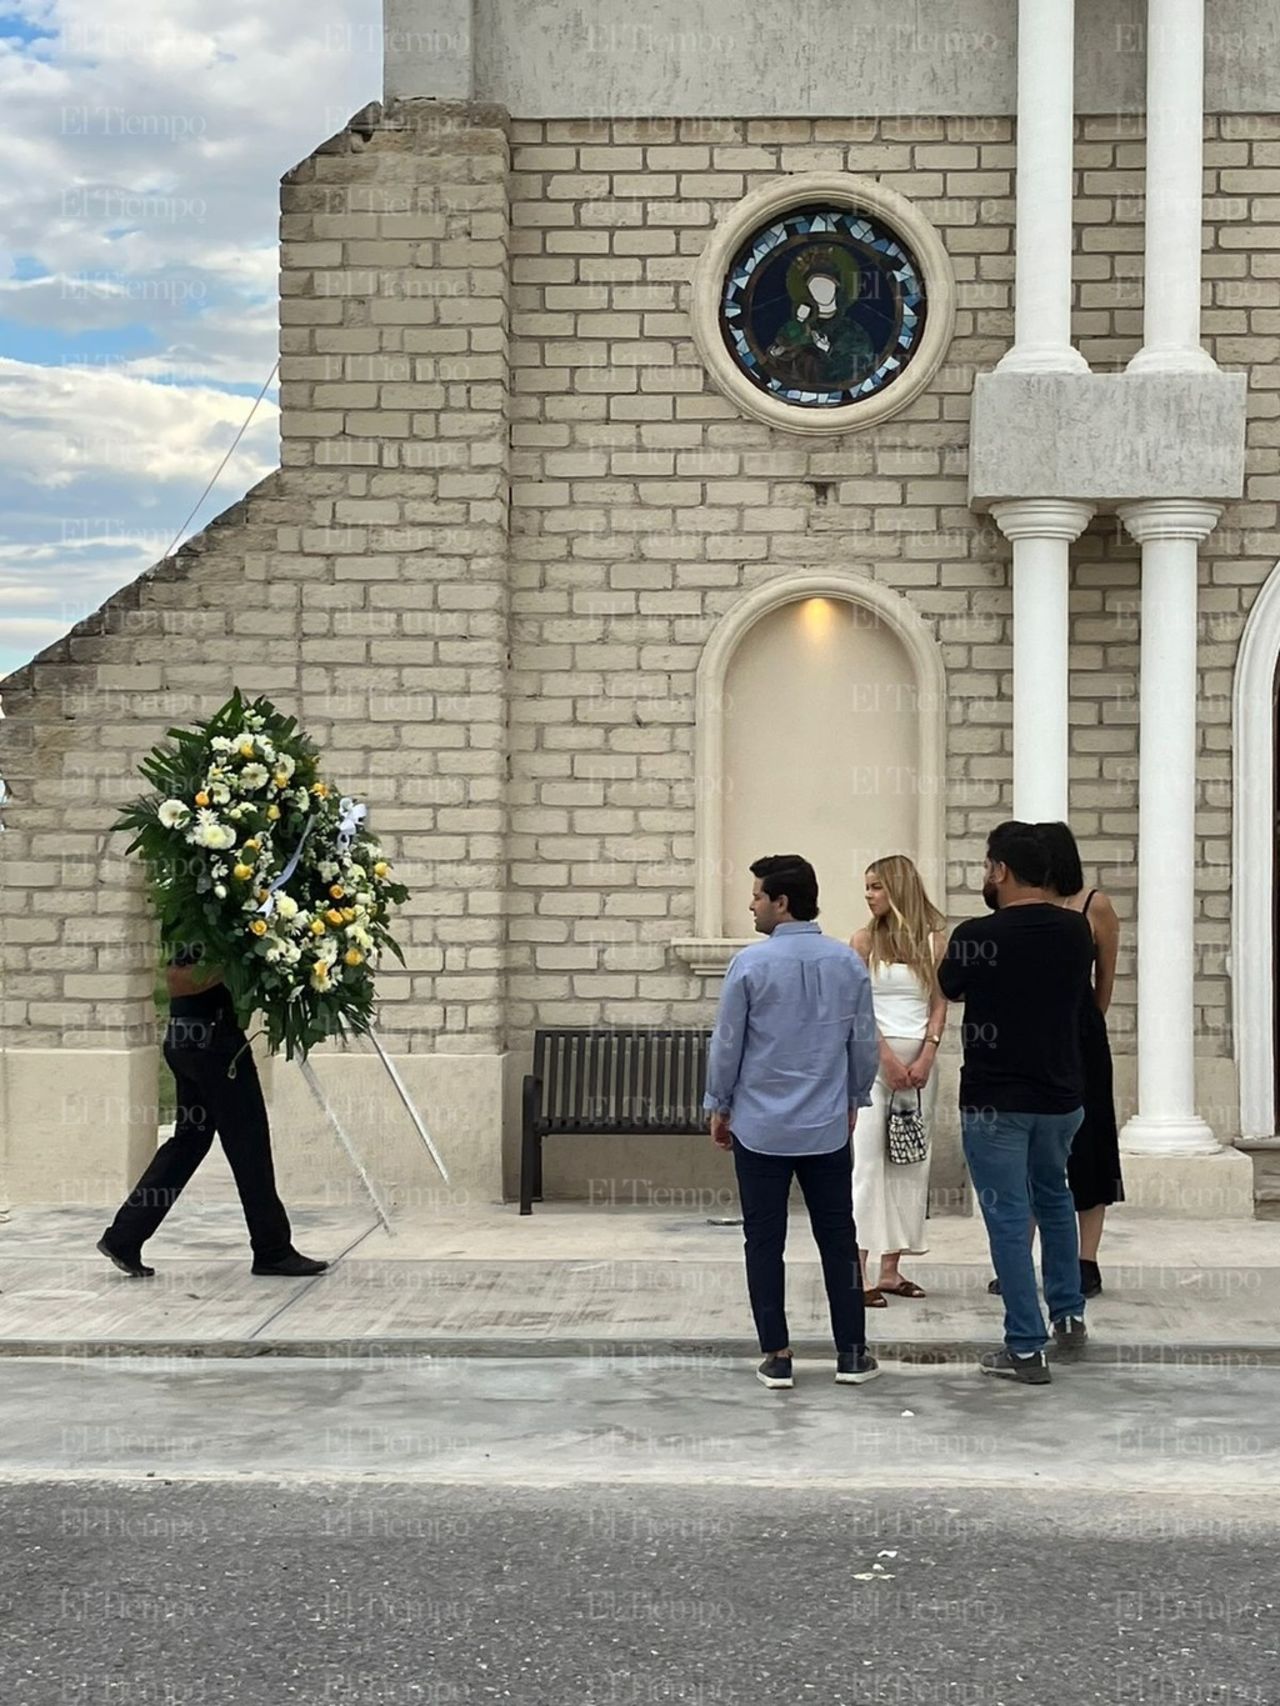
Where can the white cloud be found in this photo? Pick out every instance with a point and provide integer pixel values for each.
(143, 155)
(70, 421)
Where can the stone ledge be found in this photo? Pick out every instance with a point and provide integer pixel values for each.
(1106, 437)
(1192, 1187)
(708, 956)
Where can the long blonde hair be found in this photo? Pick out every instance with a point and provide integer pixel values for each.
(905, 934)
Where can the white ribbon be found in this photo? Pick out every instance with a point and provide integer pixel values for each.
(353, 815)
(269, 904)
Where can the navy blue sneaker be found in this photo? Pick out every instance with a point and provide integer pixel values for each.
(775, 1373)
(855, 1367)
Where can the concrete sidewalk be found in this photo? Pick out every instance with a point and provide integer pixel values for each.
(575, 1280)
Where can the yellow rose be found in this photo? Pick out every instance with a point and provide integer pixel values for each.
(252, 846)
(317, 926)
(333, 915)
(263, 893)
(202, 799)
(353, 957)
(280, 779)
(273, 812)
(242, 872)
(246, 749)
(337, 891)
(348, 913)
(259, 927)
(381, 868)
(320, 789)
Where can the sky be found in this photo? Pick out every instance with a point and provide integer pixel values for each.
(143, 144)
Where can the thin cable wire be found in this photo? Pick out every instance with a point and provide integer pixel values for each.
(230, 453)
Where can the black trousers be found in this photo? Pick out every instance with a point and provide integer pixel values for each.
(826, 1181)
(211, 1100)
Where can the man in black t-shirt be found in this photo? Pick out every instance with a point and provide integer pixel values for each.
(218, 1091)
(1022, 975)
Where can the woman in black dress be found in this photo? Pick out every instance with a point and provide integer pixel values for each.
(1093, 1167)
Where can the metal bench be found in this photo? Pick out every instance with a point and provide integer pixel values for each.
(618, 1082)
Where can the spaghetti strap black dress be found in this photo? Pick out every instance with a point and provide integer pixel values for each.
(1093, 1166)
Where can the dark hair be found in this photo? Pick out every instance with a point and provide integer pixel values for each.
(1020, 847)
(788, 874)
(1066, 874)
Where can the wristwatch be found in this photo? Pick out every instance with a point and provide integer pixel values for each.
(935, 1040)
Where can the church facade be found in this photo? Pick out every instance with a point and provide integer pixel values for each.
(703, 440)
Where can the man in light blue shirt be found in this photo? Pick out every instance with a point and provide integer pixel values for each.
(793, 1057)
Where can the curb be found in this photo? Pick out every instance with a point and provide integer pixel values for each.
(933, 1353)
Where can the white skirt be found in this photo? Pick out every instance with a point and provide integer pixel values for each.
(889, 1201)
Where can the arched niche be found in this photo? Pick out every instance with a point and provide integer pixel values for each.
(821, 729)
(1253, 857)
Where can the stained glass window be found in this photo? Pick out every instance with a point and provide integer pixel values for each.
(823, 307)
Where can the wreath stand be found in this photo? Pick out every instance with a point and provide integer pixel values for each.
(344, 1137)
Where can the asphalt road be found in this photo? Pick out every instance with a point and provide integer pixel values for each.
(219, 1593)
(790, 1558)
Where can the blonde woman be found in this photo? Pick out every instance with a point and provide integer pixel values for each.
(902, 943)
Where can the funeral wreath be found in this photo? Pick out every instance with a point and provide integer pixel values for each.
(261, 862)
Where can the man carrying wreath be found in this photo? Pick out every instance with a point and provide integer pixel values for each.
(218, 1091)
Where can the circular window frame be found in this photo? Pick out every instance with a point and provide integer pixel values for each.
(862, 195)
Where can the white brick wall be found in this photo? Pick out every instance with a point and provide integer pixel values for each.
(443, 345)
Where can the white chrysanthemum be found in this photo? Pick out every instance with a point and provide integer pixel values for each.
(220, 793)
(328, 950)
(286, 906)
(286, 764)
(327, 869)
(254, 776)
(226, 837)
(221, 743)
(357, 872)
(173, 814)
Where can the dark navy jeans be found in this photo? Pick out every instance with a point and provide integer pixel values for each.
(826, 1181)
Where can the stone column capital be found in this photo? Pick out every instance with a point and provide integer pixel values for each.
(1042, 518)
(1170, 518)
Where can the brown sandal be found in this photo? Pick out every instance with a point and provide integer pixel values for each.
(907, 1288)
(874, 1298)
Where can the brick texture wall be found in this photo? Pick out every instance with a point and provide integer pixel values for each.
(362, 587)
(644, 505)
(478, 315)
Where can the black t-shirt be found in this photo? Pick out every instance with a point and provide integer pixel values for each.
(1023, 975)
(208, 1002)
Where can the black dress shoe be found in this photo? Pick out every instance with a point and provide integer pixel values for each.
(1090, 1278)
(128, 1262)
(292, 1266)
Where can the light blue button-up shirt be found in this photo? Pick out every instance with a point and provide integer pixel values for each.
(795, 1045)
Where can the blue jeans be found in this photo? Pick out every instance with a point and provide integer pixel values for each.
(1018, 1163)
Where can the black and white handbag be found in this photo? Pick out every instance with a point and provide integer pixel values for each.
(908, 1140)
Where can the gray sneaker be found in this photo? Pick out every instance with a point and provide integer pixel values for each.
(1070, 1339)
(1031, 1370)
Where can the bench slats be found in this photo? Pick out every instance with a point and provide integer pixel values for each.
(620, 1080)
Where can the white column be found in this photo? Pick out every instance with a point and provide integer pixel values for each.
(1174, 212)
(1166, 1122)
(1042, 281)
(1042, 530)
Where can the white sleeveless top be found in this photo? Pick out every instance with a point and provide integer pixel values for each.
(901, 1003)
